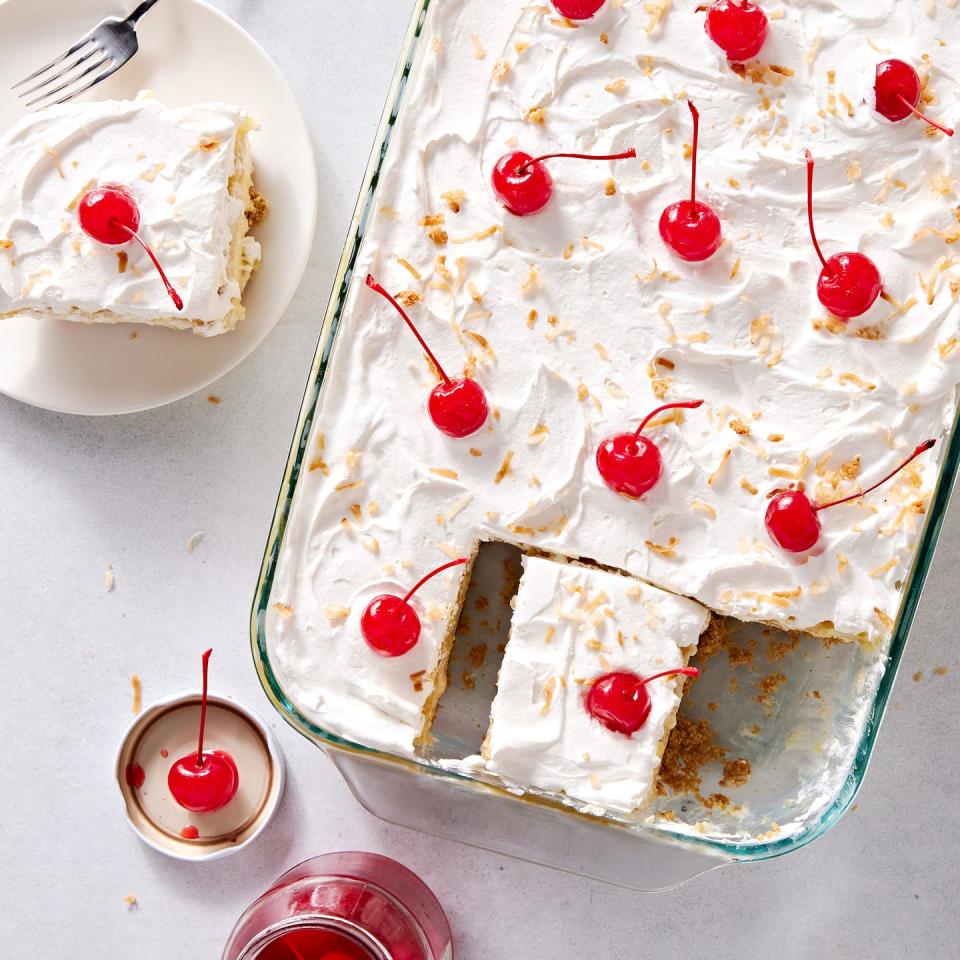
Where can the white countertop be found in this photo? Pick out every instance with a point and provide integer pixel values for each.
(79, 493)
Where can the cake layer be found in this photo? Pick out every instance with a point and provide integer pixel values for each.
(577, 322)
(190, 172)
(570, 625)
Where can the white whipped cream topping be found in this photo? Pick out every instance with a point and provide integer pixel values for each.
(621, 326)
(570, 625)
(177, 164)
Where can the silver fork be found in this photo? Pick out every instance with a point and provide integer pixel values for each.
(110, 44)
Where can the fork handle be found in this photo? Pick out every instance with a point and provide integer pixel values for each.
(139, 12)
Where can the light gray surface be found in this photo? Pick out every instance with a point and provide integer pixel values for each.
(78, 493)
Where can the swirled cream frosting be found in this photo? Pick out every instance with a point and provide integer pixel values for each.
(578, 322)
(190, 171)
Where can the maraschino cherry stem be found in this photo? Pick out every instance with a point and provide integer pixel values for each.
(685, 404)
(174, 296)
(926, 445)
(374, 285)
(431, 574)
(696, 140)
(685, 671)
(203, 706)
(933, 123)
(813, 233)
(626, 155)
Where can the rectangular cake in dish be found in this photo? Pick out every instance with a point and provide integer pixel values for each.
(189, 171)
(571, 626)
(579, 321)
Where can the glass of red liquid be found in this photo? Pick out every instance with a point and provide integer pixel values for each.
(343, 906)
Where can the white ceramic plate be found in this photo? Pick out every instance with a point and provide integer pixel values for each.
(189, 52)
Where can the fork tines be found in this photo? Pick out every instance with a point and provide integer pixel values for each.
(64, 80)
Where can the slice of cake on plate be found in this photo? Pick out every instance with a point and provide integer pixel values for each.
(189, 172)
(569, 715)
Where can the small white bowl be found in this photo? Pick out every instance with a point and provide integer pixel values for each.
(163, 733)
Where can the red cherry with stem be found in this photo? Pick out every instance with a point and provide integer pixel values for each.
(738, 27)
(620, 701)
(897, 90)
(110, 215)
(631, 464)
(458, 406)
(849, 283)
(793, 522)
(523, 184)
(390, 625)
(204, 782)
(689, 228)
(577, 9)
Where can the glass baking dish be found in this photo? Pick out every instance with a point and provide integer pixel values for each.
(808, 752)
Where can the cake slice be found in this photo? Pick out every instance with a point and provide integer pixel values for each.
(190, 172)
(571, 625)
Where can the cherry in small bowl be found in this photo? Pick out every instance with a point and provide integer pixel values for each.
(629, 463)
(389, 624)
(203, 781)
(793, 520)
(738, 27)
(688, 227)
(620, 701)
(897, 91)
(849, 283)
(523, 184)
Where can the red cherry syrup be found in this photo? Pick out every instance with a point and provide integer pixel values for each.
(523, 184)
(458, 406)
(849, 283)
(793, 521)
(204, 782)
(689, 228)
(620, 701)
(110, 215)
(390, 625)
(631, 464)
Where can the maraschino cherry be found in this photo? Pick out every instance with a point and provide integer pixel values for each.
(897, 90)
(619, 700)
(849, 283)
(204, 782)
(523, 184)
(631, 464)
(110, 215)
(738, 27)
(577, 9)
(458, 406)
(689, 228)
(793, 521)
(390, 625)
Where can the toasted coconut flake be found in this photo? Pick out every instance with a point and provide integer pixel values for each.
(881, 568)
(845, 378)
(504, 467)
(704, 507)
(712, 479)
(616, 86)
(108, 578)
(335, 612)
(748, 486)
(478, 52)
(532, 282)
(538, 434)
(536, 115)
(601, 351)
(667, 551)
(442, 472)
(655, 11)
(284, 609)
(883, 617)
